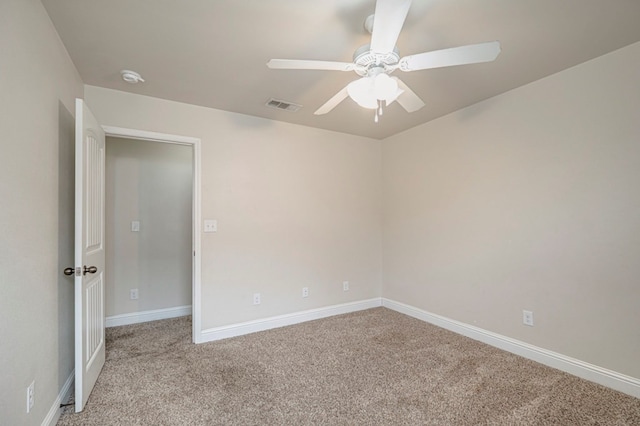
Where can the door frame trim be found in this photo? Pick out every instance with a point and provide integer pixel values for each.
(196, 289)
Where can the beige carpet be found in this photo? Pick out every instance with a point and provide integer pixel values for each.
(375, 367)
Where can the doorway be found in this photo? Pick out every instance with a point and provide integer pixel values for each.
(152, 232)
(148, 230)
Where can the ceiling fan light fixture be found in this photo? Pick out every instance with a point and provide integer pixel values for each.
(368, 91)
(379, 58)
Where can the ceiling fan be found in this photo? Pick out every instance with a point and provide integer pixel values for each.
(376, 61)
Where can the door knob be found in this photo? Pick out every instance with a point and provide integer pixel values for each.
(69, 271)
(90, 270)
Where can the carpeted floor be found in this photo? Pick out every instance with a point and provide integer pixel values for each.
(374, 367)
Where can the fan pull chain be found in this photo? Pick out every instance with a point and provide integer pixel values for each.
(378, 111)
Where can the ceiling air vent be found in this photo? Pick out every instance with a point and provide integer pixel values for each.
(283, 105)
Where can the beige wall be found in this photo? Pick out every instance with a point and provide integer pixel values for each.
(296, 207)
(529, 200)
(149, 182)
(38, 84)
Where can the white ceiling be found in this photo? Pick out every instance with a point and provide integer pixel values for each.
(213, 52)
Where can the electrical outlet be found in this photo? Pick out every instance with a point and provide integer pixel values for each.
(305, 291)
(256, 298)
(345, 285)
(210, 225)
(133, 294)
(527, 318)
(31, 396)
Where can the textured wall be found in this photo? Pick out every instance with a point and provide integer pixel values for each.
(38, 85)
(296, 207)
(528, 200)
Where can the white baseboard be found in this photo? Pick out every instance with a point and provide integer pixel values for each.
(620, 382)
(54, 413)
(240, 329)
(612, 379)
(145, 316)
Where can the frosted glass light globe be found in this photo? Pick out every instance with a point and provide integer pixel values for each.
(362, 91)
(385, 88)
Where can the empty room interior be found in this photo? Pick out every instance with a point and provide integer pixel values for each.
(393, 168)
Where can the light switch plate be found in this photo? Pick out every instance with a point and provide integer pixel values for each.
(210, 225)
(135, 226)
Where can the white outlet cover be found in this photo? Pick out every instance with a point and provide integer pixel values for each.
(210, 225)
(135, 226)
(345, 285)
(527, 318)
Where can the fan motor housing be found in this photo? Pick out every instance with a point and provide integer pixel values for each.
(370, 64)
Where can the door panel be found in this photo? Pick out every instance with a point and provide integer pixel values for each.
(89, 253)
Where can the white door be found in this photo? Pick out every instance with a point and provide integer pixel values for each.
(89, 253)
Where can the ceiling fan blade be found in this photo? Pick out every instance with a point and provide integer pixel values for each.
(471, 54)
(333, 102)
(408, 99)
(388, 20)
(298, 64)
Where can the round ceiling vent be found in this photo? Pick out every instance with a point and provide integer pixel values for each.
(131, 77)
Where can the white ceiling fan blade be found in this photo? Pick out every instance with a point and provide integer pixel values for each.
(408, 99)
(299, 64)
(388, 20)
(333, 102)
(471, 54)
